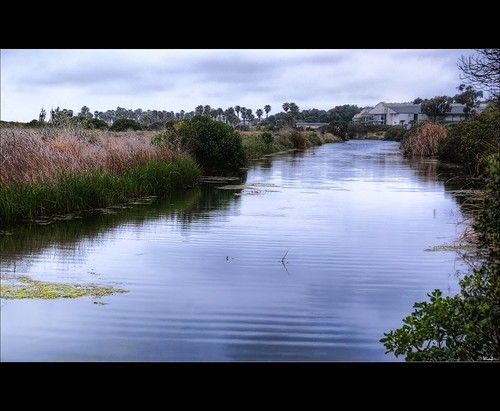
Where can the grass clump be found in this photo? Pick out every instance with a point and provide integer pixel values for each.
(423, 140)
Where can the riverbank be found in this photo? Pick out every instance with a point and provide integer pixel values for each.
(52, 171)
(59, 171)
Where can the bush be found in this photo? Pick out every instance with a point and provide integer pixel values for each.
(470, 141)
(395, 133)
(297, 138)
(267, 137)
(215, 145)
(92, 123)
(124, 124)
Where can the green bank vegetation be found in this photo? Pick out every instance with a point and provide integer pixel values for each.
(61, 170)
(466, 326)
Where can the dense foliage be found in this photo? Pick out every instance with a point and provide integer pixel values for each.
(215, 146)
(468, 142)
(124, 124)
(396, 133)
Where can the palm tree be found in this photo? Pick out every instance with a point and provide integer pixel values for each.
(286, 107)
(249, 115)
(243, 111)
(199, 109)
(237, 109)
(294, 112)
(267, 109)
(259, 113)
(220, 113)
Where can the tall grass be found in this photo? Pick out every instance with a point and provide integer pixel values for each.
(57, 171)
(423, 140)
(259, 144)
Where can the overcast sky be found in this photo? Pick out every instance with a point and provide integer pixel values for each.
(182, 79)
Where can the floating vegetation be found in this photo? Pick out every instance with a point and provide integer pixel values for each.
(26, 287)
(218, 179)
(452, 248)
(250, 188)
(45, 220)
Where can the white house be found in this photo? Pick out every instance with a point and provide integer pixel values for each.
(404, 114)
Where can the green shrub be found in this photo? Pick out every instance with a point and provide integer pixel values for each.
(395, 133)
(215, 145)
(95, 124)
(124, 124)
(267, 137)
(470, 141)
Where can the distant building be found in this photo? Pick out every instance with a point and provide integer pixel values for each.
(404, 114)
(303, 124)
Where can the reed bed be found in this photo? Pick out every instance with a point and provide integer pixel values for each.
(424, 141)
(52, 170)
(257, 145)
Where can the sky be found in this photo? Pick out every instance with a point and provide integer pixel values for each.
(182, 79)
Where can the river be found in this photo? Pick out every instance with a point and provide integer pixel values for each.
(319, 254)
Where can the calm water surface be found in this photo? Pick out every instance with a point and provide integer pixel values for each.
(321, 253)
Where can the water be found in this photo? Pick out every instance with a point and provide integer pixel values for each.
(320, 254)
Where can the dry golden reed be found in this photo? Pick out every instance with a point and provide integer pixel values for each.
(40, 155)
(424, 141)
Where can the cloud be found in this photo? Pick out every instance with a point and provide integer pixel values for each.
(182, 79)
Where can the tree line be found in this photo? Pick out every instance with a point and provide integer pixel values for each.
(236, 116)
(480, 73)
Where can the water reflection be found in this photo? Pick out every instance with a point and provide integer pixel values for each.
(314, 267)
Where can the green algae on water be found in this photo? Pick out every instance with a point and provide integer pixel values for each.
(13, 287)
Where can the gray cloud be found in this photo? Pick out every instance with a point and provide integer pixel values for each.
(174, 80)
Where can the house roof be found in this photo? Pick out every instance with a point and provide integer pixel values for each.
(404, 108)
(395, 108)
(410, 108)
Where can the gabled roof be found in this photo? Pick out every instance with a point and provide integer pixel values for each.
(404, 108)
(395, 108)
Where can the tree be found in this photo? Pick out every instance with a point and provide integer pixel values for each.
(418, 100)
(483, 72)
(41, 116)
(85, 113)
(469, 98)
(243, 111)
(216, 146)
(267, 109)
(294, 113)
(259, 113)
(437, 107)
(124, 124)
(343, 113)
(60, 117)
